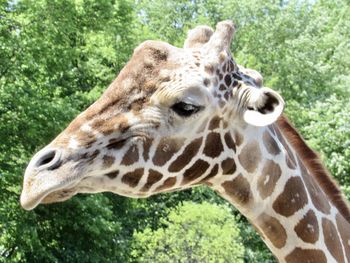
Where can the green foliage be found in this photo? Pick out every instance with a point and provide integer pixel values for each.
(56, 57)
(191, 233)
(62, 233)
(299, 47)
(326, 128)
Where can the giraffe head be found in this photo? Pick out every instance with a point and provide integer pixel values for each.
(165, 123)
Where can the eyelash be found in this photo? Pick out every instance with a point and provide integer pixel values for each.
(184, 109)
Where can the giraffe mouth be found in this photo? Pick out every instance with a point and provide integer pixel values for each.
(31, 198)
(59, 196)
(50, 186)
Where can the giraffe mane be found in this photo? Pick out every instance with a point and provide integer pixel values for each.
(313, 163)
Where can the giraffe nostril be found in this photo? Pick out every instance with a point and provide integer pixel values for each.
(49, 159)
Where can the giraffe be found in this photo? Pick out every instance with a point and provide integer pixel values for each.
(175, 118)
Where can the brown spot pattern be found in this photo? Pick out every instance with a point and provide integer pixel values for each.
(168, 183)
(238, 138)
(307, 228)
(343, 228)
(228, 80)
(186, 156)
(110, 125)
(290, 154)
(299, 255)
(146, 147)
(331, 238)
(112, 175)
(290, 163)
(268, 179)
(85, 139)
(213, 172)
(133, 178)
(103, 126)
(209, 69)
(108, 161)
(195, 171)
(317, 196)
(116, 144)
(90, 158)
(239, 190)
(270, 144)
(229, 141)
(166, 149)
(131, 156)
(250, 157)
(214, 123)
(273, 230)
(153, 177)
(137, 104)
(213, 145)
(292, 199)
(206, 82)
(228, 166)
(222, 87)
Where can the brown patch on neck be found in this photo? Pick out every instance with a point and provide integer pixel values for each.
(343, 228)
(270, 144)
(268, 180)
(250, 156)
(238, 190)
(331, 238)
(314, 165)
(228, 166)
(300, 255)
(273, 230)
(238, 138)
(317, 196)
(292, 199)
(307, 228)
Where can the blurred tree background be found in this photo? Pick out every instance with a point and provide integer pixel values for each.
(57, 57)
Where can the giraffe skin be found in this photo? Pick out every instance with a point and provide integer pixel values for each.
(175, 118)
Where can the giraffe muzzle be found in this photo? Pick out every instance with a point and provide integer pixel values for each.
(49, 178)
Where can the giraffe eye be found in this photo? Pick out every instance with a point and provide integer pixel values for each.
(185, 109)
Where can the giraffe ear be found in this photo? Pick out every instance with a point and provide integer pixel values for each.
(264, 107)
(198, 36)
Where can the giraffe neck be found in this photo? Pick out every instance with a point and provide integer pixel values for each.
(279, 196)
